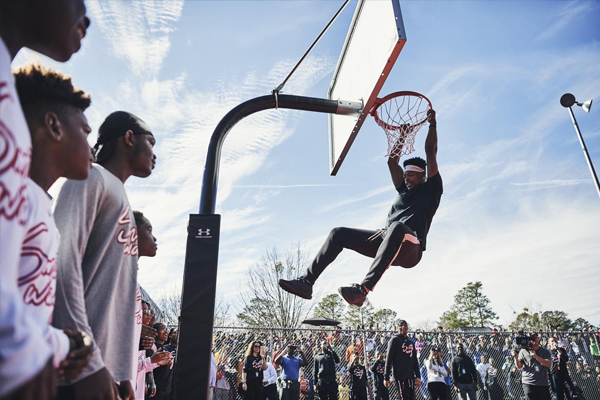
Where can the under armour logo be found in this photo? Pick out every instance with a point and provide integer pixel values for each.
(203, 234)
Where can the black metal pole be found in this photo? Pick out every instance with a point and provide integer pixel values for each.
(201, 259)
(585, 152)
(213, 157)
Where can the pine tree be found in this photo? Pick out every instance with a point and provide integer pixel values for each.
(331, 306)
(471, 308)
(360, 315)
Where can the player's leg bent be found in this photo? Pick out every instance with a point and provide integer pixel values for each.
(400, 247)
(338, 239)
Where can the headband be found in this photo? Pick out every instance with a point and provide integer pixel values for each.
(413, 168)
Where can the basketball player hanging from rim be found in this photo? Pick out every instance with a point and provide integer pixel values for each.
(402, 241)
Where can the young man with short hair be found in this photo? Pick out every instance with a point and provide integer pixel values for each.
(97, 263)
(55, 29)
(378, 371)
(147, 247)
(358, 373)
(534, 364)
(401, 358)
(54, 111)
(324, 372)
(464, 374)
(290, 370)
(404, 237)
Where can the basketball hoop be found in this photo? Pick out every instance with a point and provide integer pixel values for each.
(401, 115)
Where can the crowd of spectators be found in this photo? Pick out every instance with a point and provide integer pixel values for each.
(497, 375)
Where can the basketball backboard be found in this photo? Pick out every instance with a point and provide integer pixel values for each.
(375, 39)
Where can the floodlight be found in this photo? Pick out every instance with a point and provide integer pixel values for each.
(586, 106)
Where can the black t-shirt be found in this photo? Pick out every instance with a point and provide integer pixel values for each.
(378, 369)
(559, 362)
(163, 375)
(359, 377)
(491, 377)
(253, 367)
(416, 208)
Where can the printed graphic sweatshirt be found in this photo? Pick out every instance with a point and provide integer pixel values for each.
(97, 270)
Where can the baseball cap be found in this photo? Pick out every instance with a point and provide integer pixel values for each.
(115, 126)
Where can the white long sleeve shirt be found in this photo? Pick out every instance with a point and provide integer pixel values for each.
(435, 373)
(269, 374)
(23, 348)
(97, 270)
(37, 269)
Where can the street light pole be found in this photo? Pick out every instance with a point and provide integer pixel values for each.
(567, 101)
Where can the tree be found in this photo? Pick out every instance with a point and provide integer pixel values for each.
(169, 308)
(526, 321)
(452, 320)
(556, 320)
(529, 320)
(580, 323)
(471, 308)
(385, 318)
(360, 315)
(331, 306)
(263, 302)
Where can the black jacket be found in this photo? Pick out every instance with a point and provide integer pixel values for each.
(402, 357)
(325, 367)
(463, 370)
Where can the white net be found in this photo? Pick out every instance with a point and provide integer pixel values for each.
(401, 117)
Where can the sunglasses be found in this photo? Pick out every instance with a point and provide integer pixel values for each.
(256, 345)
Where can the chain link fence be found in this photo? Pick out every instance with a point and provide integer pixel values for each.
(487, 349)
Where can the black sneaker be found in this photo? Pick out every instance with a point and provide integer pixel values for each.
(299, 286)
(355, 294)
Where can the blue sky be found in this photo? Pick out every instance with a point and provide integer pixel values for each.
(519, 210)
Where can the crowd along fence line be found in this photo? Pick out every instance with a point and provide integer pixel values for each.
(487, 349)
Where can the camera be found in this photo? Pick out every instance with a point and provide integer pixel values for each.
(292, 347)
(524, 341)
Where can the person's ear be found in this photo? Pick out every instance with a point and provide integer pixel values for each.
(128, 138)
(53, 126)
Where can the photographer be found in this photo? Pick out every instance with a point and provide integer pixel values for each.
(534, 361)
(325, 377)
(290, 371)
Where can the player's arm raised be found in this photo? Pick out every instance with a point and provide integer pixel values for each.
(431, 145)
(396, 171)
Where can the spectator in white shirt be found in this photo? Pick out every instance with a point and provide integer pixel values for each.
(436, 374)
(270, 381)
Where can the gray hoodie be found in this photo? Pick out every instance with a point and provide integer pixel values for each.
(97, 269)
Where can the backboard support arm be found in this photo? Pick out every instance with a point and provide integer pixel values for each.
(202, 249)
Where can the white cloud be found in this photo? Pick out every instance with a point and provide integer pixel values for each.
(138, 31)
